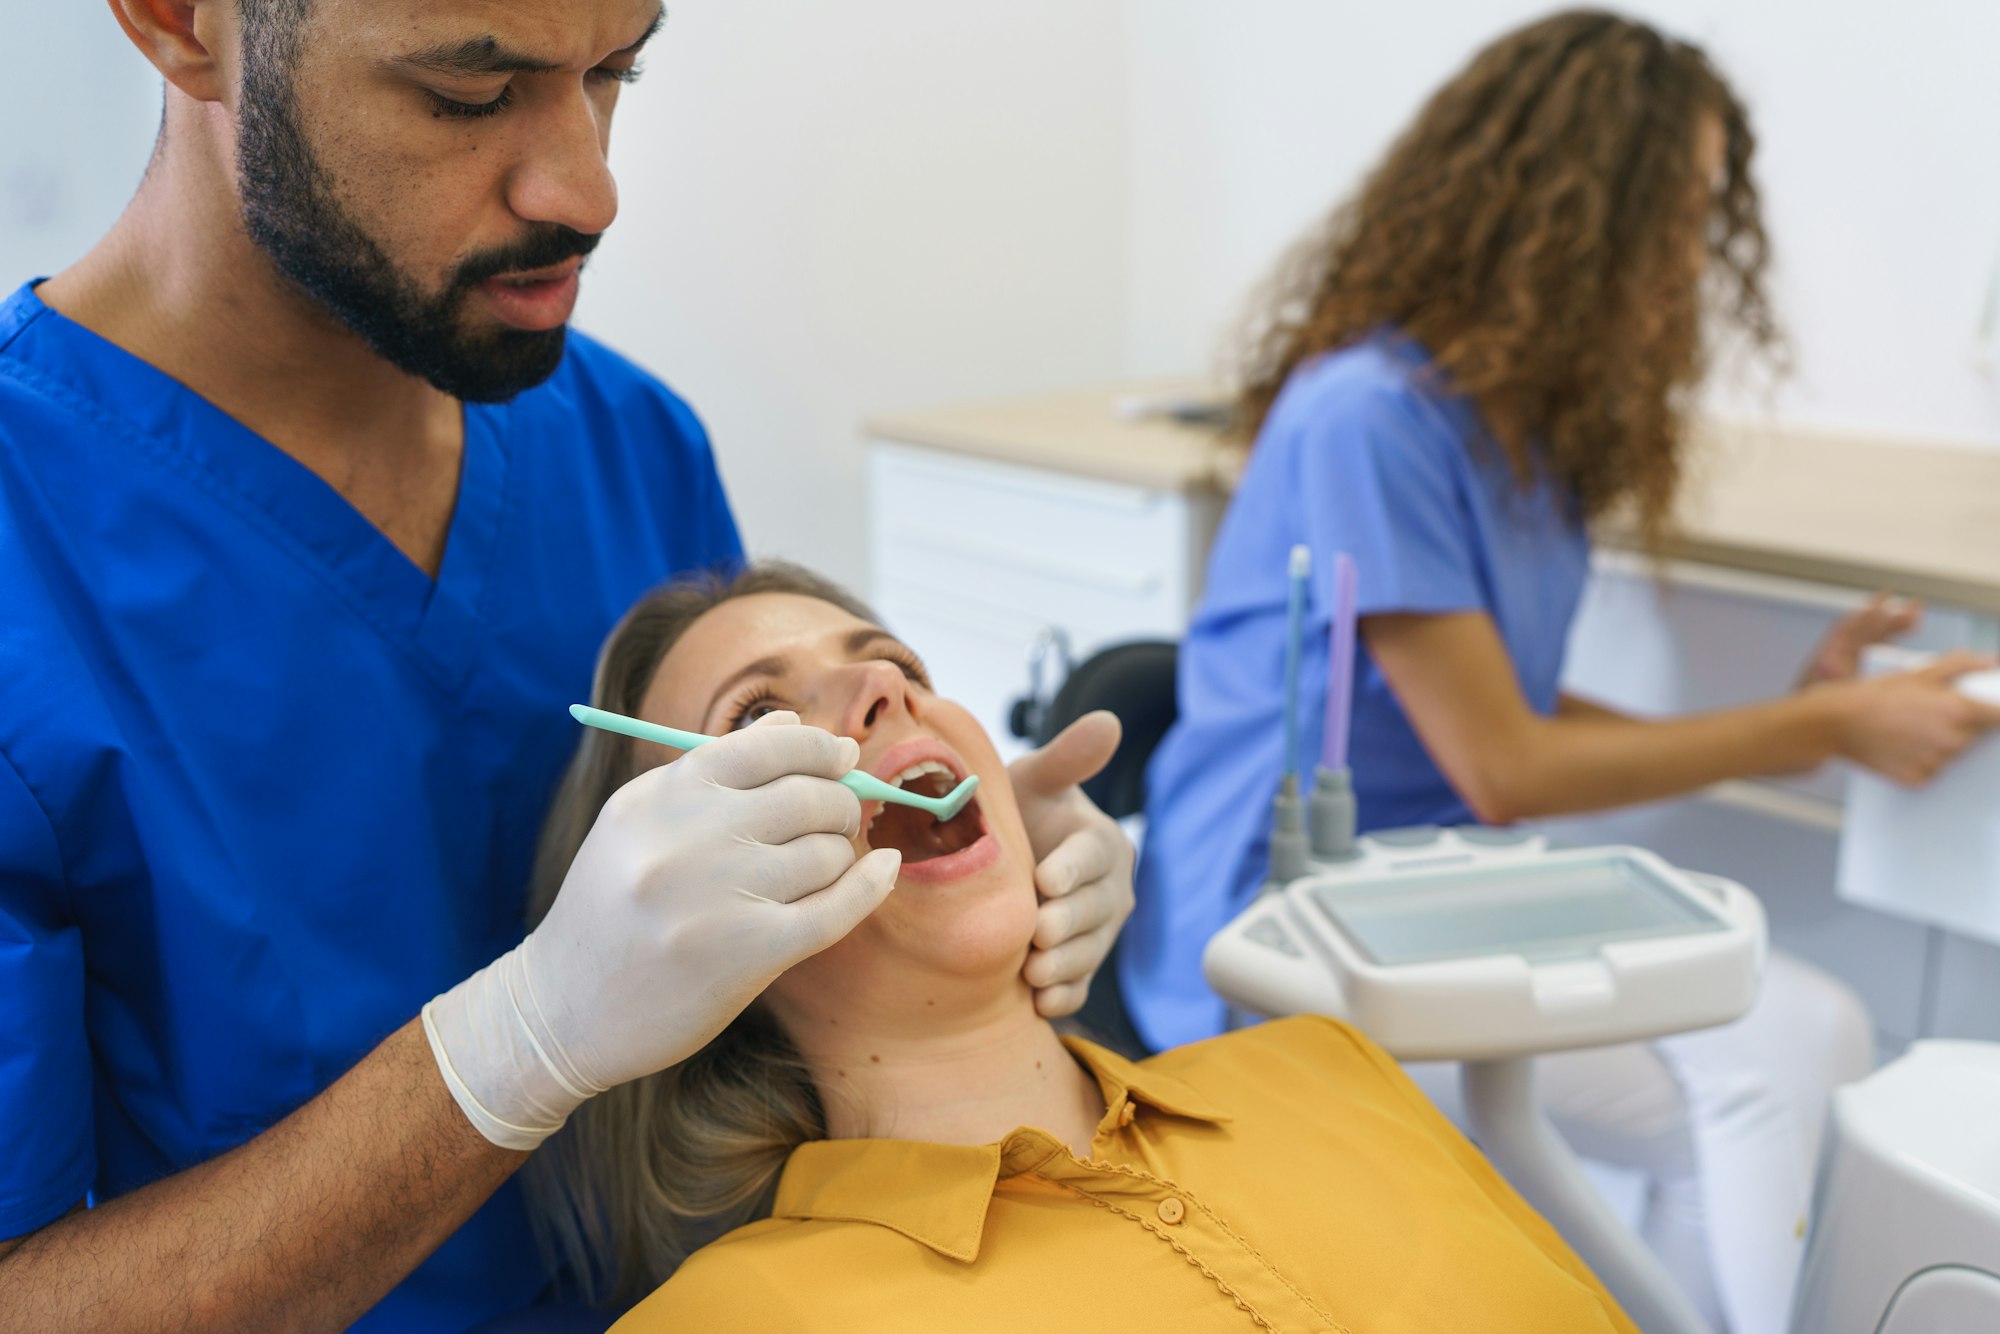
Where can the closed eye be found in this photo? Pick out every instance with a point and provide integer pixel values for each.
(449, 108)
(616, 74)
(912, 665)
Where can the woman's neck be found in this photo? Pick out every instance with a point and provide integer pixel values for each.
(950, 1072)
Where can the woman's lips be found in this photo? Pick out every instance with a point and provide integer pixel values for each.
(535, 302)
(976, 856)
(954, 866)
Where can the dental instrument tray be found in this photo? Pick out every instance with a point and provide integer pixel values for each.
(1475, 943)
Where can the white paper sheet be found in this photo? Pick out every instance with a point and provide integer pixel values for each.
(1933, 854)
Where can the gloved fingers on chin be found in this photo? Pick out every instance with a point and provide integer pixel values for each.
(1082, 910)
(1072, 961)
(1065, 998)
(1088, 855)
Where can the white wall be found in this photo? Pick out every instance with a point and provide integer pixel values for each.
(832, 210)
(1880, 160)
(77, 122)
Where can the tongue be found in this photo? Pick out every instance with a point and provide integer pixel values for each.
(920, 837)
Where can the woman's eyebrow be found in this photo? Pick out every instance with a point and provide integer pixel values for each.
(868, 636)
(772, 666)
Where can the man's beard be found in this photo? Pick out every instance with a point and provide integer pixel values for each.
(291, 213)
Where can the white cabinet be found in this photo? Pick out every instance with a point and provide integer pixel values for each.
(969, 558)
(1691, 637)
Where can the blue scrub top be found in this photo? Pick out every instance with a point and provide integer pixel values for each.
(265, 787)
(1361, 453)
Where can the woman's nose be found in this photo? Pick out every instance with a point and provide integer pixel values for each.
(880, 693)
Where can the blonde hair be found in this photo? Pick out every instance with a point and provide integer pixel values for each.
(649, 1172)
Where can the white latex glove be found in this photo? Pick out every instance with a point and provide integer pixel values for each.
(1084, 867)
(699, 883)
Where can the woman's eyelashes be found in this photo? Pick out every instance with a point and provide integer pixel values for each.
(762, 699)
(748, 710)
(912, 665)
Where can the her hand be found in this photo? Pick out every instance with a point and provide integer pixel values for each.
(1909, 726)
(1838, 657)
(1084, 873)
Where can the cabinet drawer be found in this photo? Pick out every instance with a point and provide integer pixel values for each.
(1126, 541)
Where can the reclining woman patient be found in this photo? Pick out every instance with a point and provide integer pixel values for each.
(892, 1138)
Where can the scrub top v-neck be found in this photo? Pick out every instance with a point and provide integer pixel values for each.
(266, 786)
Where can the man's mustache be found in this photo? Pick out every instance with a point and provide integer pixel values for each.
(547, 245)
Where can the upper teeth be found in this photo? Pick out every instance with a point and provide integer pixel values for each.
(916, 771)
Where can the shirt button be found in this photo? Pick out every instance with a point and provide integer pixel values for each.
(1172, 1211)
(1125, 1115)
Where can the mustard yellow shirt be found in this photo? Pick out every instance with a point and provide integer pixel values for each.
(1285, 1177)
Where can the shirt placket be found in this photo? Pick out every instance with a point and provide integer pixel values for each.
(1176, 1218)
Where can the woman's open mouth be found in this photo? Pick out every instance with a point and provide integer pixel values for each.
(934, 850)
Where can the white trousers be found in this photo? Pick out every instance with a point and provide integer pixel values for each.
(1725, 1124)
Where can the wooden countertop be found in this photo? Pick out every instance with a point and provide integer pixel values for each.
(1863, 511)
(1080, 432)
(1852, 510)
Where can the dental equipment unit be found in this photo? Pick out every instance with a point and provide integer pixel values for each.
(1486, 946)
(864, 785)
(1493, 946)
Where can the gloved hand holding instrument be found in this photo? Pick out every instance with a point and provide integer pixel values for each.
(699, 883)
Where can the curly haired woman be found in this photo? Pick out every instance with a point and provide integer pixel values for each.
(1491, 346)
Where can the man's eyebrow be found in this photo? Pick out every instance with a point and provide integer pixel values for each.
(773, 666)
(473, 56)
(484, 54)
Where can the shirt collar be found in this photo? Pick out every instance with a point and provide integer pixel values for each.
(937, 1194)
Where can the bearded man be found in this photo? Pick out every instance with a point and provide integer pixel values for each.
(312, 516)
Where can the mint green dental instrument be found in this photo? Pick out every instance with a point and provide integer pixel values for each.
(866, 786)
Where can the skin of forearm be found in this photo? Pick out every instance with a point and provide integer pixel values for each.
(1587, 760)
(1576, 706)
(301, 1229)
